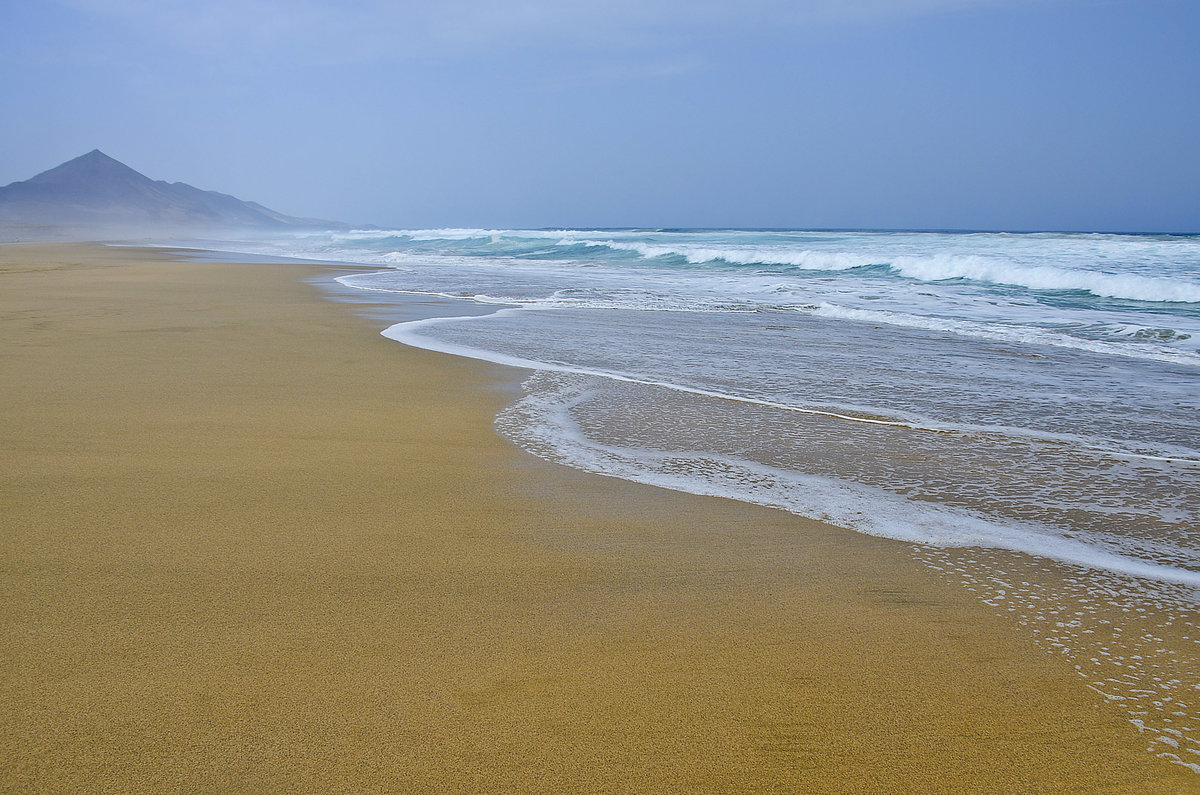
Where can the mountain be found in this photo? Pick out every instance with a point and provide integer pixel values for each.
(94, 191)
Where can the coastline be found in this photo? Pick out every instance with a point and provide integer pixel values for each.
(255, 545)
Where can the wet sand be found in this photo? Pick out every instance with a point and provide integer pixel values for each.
(250, 545)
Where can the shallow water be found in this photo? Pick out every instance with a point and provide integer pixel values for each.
(1037, 393)
(1011, 404)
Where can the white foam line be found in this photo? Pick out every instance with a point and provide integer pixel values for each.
(1012, 538)
(999, 332)
(409, 336)
(478, 299)
(868, 510)
(1016, 539)
(407, 333)
(420, 341)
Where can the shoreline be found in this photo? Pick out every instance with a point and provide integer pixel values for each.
(257, 545)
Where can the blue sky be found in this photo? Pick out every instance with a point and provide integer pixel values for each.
(984, 114)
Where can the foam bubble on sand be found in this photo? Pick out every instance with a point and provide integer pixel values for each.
(1135, 643)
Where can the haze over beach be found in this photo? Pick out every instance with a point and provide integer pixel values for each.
(687, 397)
(875, 114)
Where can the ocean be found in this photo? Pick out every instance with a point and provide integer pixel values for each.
(1023, 409)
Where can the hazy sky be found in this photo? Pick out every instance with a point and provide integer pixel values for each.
(999, 114)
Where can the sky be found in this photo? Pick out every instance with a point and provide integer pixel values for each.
(877, 114)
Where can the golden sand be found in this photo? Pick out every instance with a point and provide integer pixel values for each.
(250, 545)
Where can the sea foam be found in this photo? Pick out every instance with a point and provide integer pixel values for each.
(542, 422)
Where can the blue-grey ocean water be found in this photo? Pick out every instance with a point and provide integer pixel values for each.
(1039, 393)
(1036, 394)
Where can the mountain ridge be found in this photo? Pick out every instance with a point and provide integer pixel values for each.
(97, 191)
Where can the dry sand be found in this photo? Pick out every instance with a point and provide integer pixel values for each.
(250, 545)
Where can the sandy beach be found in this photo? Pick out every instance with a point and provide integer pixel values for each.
(250, 545)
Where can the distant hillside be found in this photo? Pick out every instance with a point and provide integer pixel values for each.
(95, 191)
